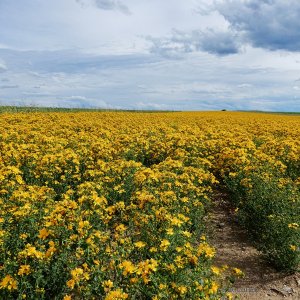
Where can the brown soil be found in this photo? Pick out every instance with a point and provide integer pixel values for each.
(234, 248)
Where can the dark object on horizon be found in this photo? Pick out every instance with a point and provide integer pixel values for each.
(223, 110)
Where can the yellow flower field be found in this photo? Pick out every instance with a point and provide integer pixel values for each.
(110, 205)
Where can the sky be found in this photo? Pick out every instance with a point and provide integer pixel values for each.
(151, 54)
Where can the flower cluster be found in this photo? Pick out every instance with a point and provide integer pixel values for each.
(102, 205)
(111, 205)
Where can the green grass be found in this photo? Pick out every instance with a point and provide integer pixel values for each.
(295, 113)
(26, 109)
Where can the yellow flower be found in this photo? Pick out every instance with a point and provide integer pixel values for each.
(51, 250)
(293, 225)
(43, 233)
(171, 268)
(31, 252)
(67, 297)
(214, 288)
(179, 261)
(164, 244)
(185, 199)
(170, 231)
(134, 280)
(178, 249)
(216, 270)
(79, 274)
(176, 222)
(182, 289)
(238, 272)
(193, 259)
(107, 285)
(9, 283)
(96, 262)
(116, 295)
(128, 267)
(24, 269)
(186, 233)
(232, 174)
(71, 283)
(207, 250)
(139, 244)
(293, 247)
(23, 236)
(121, 228)
(203, 238)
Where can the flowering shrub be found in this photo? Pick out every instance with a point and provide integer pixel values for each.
(269, 207)
(110, 205)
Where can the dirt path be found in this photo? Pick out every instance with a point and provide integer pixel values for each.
(234, 249)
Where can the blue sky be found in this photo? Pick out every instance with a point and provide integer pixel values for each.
(151, 54)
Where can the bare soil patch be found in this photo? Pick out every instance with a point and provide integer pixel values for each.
(235, 249)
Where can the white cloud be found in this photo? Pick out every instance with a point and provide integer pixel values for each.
(96, 54)
(211, 41)
(269, 24)
(77, 98)
(245, 85)
(3, 67)
(152, 106)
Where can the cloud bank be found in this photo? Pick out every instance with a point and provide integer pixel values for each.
(215, 42)
(154, 54)
(268, 24)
